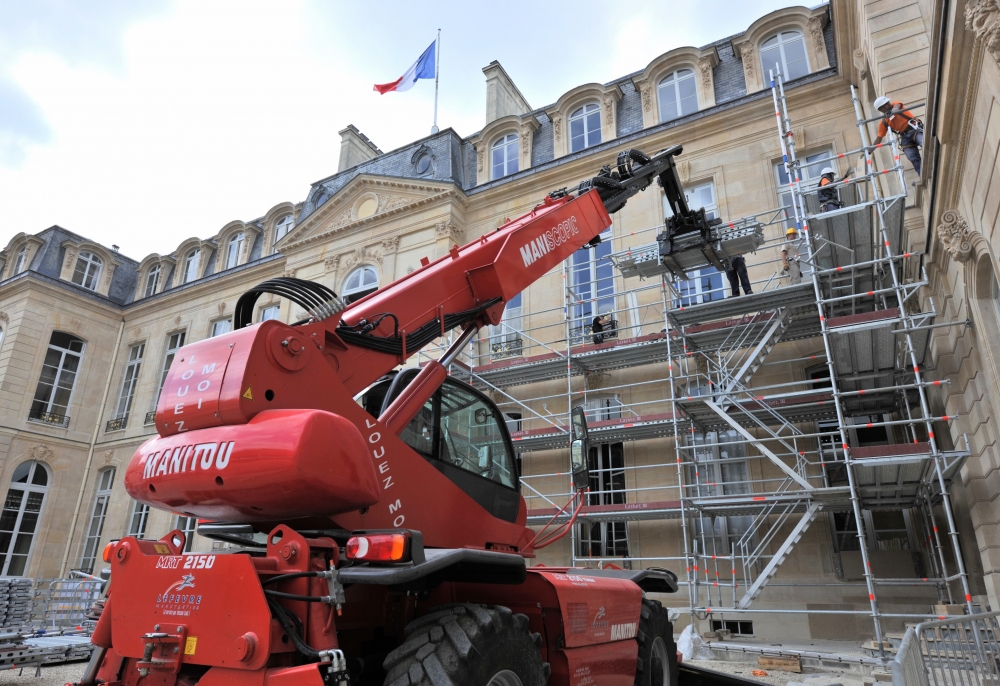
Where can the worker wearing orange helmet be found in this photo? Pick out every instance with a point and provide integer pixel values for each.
(909, 129)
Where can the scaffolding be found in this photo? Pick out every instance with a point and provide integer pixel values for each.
(700, 359)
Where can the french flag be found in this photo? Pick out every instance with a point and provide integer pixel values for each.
(423, 68)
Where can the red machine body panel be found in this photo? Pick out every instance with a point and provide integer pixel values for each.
(283, 463)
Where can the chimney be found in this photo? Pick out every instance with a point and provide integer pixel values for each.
(355, 148)
(502, 96)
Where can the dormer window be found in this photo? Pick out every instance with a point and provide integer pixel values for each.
(20, 262)
(585, 127)
(88, 270)
(152, 281)
(787, 50)
(234, 250)
(283, 226)
(504, 156)
(677, 94)
(191, 266)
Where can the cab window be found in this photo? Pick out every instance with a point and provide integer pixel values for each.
(471, 437)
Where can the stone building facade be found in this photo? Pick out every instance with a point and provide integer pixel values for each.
(87, 334)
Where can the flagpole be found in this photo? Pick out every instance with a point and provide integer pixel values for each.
(437, 66)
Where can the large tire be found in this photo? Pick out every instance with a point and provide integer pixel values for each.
(465, 644)
(657, 664)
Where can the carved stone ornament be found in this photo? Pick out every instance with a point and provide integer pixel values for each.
(526, 135)
(177, 320)
(816, 31)
(40, 452)
(390, 244)
(683, 171)
(343, 219)
(353, 258)
(748, 57)
(373, 254)
(705, 67)
(982, 17)
(108, 456)
(860, 62)
(4, 319)
(609, 107)
(449, 231)
(955, 236)
(557, 128)
(222, 307)
(647, 97)
(70, 255)
(394, 203)
(480, 156)
(288, 273)
(331, 263)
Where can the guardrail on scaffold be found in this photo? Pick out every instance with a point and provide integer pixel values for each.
(955, 651)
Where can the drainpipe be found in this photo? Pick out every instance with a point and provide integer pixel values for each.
(90, 453)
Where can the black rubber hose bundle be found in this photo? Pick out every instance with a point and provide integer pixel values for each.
(308, 295)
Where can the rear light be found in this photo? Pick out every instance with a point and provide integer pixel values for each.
(379, 547)
(106, 555)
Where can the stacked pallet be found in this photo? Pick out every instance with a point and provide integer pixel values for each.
(16, 594)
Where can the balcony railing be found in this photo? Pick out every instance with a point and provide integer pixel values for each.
(48, 418)
(500, 350)
(150, 418)
(582, 335)
(116, 424)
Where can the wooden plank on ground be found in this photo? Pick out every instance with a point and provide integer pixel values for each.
(782, 664)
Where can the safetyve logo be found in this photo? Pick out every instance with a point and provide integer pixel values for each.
(534, 249)
(188, 458)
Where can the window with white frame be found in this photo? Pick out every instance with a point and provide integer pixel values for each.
(88, 270)
(234, 250)
(175, 342)
(98, 513)
(129, 382)
(677, 94)
(585, 127)
(152, 281)
(706, 284)
(58, 377)
(221, 326)
(810, 177)
(137, 519)
(188, 526)
(282, 227)
(504, 156)
(22, 509)
(607, 483)
(359, 283)
(270, 312)
(698, 196)
(191, 266)
(20, 261)
(505, 338)
(787, 51)
(592, 282)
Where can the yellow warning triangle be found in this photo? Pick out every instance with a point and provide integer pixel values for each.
(248, 393)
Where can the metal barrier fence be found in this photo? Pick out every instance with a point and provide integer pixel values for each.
(64, 602)
(958, 651)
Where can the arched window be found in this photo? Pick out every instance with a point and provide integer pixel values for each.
(505, 156)
(88, 270)
(191, 266)
(20, 260)
(677, 94)
(234, 250)
(55, 385)
(788, 50)
(360, 282)
(21, 509)
(152, 281)
(282, 227)
(585, 127)
(102, 495)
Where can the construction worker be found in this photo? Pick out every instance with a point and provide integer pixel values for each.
(790, 256)
(909, 129)
(829, 196)
(736, 270)
(597, 327)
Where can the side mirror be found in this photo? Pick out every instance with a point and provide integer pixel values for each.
(579, 449)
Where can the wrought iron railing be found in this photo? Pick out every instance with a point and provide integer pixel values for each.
(150, 418)
(584, 335)
(958, 650)
(48, 418)
(500, 350)
(116, 424)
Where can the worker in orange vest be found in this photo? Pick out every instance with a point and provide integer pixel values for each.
(909, 129)
(829, 197)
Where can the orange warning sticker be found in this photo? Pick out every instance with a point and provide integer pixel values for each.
(162, 548)
(190, 645)
(248, 393)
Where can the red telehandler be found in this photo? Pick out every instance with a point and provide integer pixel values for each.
(382, 531)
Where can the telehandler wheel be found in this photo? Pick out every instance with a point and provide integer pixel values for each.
(657, 665)
(468, 645)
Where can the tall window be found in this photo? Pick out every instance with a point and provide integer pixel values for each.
(505, 156)
(20, 260)
(607, 484)
(221, 326)
(283, 226)
(188, 525)
(234, 250)
(98, 512)
(584, 127)
(191, 266)
(55, 385)
(359, 283)
(719, 470)
(505, 339)
(152, 281)
(174, 343)
(698, 197)
(270, 312)
(21, 510)
(88, 270)
(129, 381)
(787, 50)
(592, 280)
(707, 283)
(677, 94)
(810, 177)
(137, 519)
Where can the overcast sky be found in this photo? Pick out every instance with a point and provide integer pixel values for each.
(144, 122)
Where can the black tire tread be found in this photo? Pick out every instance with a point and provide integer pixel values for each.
(654, 621)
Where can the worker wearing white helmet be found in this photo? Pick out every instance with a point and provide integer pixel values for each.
(909, 129)
(828, 195)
